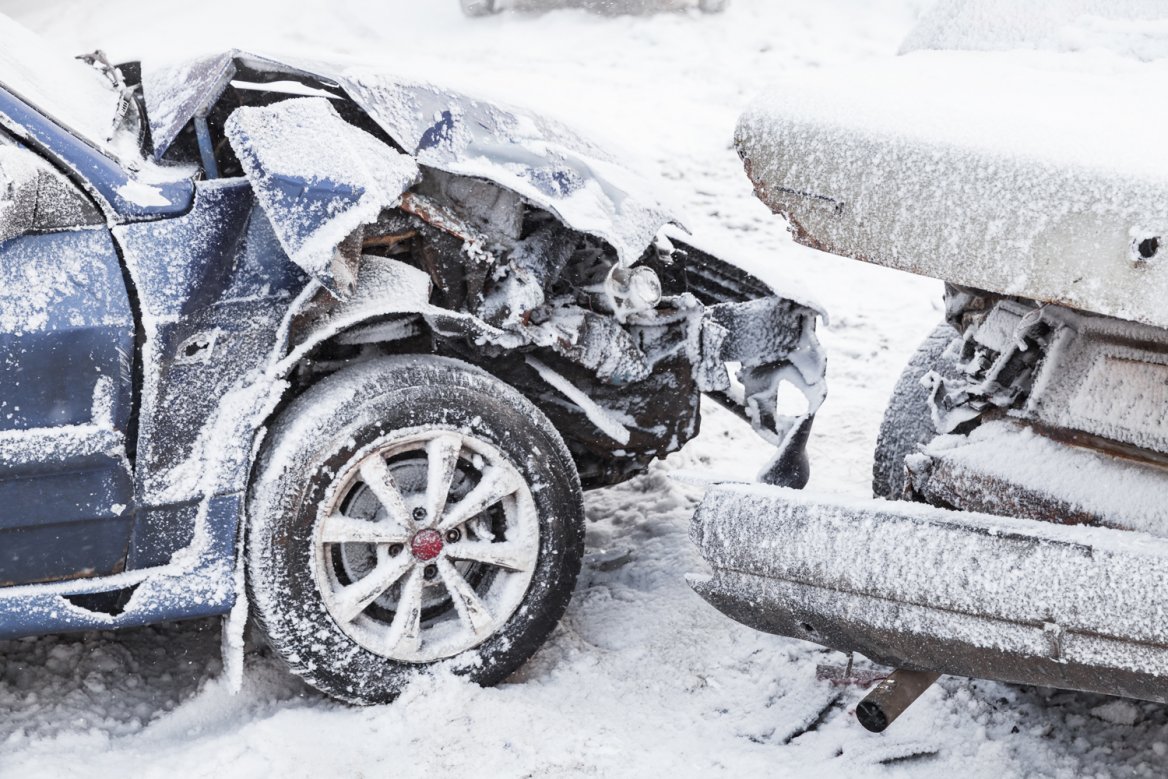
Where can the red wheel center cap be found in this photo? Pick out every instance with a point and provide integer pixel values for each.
(426, 544)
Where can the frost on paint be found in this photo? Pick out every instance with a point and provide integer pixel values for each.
(1004, 171)
(298, 223)
(318, 195)
(33, 195)
(915, 586)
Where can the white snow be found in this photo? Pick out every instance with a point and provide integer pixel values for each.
(142, 194)
(642, 678)
(1131, 28)
(1009, 171)
(604, 420)
(47, 76)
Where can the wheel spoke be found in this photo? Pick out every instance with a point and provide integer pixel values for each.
(507, 554)
(470, 609)
(495, 484)
(405, 632)
(377, 477)
(354, 599)
(442, 460)
(339, 529)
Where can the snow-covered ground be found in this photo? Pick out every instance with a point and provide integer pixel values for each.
(642, 678)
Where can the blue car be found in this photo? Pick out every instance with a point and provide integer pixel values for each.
(338, 351)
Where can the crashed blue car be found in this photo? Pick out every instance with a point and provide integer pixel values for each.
(337, 352)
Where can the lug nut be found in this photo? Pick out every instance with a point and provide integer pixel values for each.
(419, 514)
(452, 536)
(395, 549)
(430, 572)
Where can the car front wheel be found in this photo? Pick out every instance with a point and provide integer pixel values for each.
(408, 512)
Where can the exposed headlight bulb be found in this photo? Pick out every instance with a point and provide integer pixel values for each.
(632, 290)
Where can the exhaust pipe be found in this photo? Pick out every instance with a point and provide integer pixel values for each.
(891, 697)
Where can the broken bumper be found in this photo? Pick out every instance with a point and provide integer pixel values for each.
(913, 586)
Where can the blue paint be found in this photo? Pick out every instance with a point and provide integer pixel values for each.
(99, 172)
(160, 595)
(206, 149)
(65, 403)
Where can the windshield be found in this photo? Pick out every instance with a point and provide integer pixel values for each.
(69, 91)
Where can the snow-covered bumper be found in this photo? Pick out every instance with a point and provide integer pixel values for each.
(917, 587)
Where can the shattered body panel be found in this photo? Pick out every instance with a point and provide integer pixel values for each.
(540, 160)
(241, 262)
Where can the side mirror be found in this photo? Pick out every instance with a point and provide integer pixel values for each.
(36, 197)
(19, 181)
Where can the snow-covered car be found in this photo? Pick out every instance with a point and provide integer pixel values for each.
(1020, 531)
(488, 7)
(347, 343)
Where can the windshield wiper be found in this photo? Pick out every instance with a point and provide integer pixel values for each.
(126, 97)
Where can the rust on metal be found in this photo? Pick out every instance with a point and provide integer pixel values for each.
(393, 239)
(889, 699)
(440, 217)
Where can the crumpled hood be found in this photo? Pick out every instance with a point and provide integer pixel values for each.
(546, 163)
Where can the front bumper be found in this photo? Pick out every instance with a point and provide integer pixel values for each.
(913, 586)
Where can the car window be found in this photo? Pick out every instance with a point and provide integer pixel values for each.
(35, 197)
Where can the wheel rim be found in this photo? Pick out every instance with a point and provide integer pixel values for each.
(426, 544)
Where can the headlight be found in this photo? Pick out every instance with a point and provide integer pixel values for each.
(632, 290)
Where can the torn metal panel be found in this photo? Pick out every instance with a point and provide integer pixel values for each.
(893, 582)
(318, 195)
(544, 162)
(385, 288)
(1057, 368)
(177, 92)
(774, 343)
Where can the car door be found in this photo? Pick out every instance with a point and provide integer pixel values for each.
(66, 358)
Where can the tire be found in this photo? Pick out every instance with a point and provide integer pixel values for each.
(907, 422)
(360, 591)
(479, 7)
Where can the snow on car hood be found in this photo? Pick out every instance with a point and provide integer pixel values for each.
(543, 161)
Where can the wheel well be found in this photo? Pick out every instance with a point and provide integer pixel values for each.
(379, 337)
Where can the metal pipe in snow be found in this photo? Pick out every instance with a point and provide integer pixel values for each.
(891, 697)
